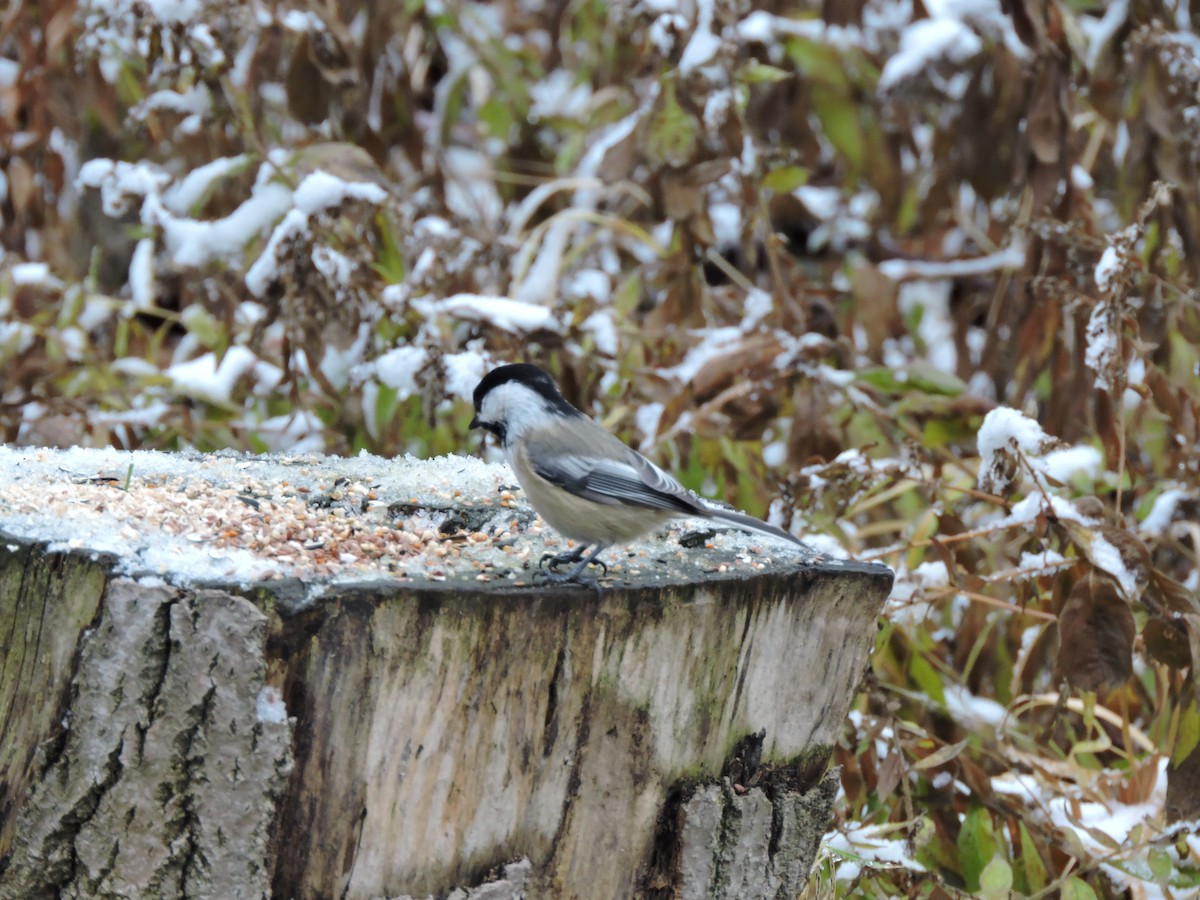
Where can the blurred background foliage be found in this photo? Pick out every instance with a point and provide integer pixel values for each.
(794, 251)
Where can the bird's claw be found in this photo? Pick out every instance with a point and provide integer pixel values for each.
(581, 558)
(554, 560)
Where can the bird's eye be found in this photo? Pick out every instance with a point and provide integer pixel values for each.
(495, 428)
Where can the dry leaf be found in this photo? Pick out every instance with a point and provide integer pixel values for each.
(890, 771)
(1096, 632)
(1167, 642)
(21, 185)
(941, 756)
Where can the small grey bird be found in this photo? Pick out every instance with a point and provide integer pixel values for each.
(583, 481)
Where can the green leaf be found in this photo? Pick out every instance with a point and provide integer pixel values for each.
(996, 879)
(933, 847)
(1031, 862)
(882, 378)
(850, 856)
(755, 72)
(1074, 846)
(455, 100)
(386, 402)
(927, 678)
(838, 114)
(121, 339)
(1161, 864)
(1077, 889)
(390, 264)
(918, 377)
(937, 433)
(1189, 733)
(976, 846)
(628, 295)
(202, 325)
(931, 380)
(670, 137)
(822, 63)
(785, 180)
(496, 113)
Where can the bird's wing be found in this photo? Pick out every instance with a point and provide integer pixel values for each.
(591, 463)
(619, 476)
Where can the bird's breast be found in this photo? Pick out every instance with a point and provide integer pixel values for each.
(579, 518)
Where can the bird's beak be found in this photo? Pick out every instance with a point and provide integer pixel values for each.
(475, 423)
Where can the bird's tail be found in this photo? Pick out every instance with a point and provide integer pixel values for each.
(749, 523)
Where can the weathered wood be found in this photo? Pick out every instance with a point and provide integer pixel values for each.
(46, 600)
(664, 736)
(164, 782)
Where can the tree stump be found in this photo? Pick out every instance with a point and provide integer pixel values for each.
(306, 677)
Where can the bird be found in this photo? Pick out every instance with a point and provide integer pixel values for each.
(584, 482)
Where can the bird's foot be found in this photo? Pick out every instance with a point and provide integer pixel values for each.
(575, 576)
(554, 560)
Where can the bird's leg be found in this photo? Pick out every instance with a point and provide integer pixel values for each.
(584, 562)
(554, 560)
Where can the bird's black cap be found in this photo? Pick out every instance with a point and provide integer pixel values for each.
(537, 380)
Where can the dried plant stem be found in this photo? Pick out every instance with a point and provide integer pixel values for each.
(946, 539)
(1003, 604)
(1075, 704)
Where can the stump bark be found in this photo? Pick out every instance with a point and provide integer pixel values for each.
(419, 725)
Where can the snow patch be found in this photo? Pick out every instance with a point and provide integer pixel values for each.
(974, 713)
(399, 368)
(1107, 557)
(926, 42)
(510, 315)
(1161, 514)
(1103, 345)
(1004, 432)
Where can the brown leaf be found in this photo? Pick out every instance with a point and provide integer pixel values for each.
(681, 200)
(752, 360)
(877, 311)
(344, 160)
(941, 756)
(1106, 428)
(1170, 593)
(308, 91)
(1163, 392)
(21, 184)
(683, 191)
(1047, 121)
(1167, 642)
(1096, 632)
(1188, 322)
(60, 28)
(978, 780)
(1092, 507)
(1027, 19)
(1141, 783)
(889, 775)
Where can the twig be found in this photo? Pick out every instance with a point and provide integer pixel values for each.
(1030, 701)
(1000, 604)
(948, 539)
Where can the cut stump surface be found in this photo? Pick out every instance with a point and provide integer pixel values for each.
(233, 676)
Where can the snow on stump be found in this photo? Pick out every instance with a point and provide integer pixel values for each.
(233, 676)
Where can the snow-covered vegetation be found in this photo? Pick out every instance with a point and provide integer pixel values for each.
(918, 280)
